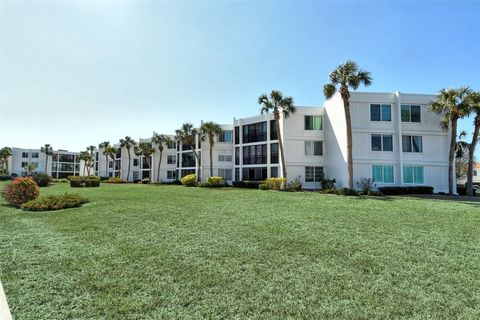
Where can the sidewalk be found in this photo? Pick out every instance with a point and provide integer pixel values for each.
(4, 311)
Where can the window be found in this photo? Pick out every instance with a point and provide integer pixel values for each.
(24, 154)
(382, 173)
(135, 175)
(237, 174)
(255, 132)
(171, 145)
(171, 174)
(66, 158)
(273, 130)
(237, 135)
(382, 142)
(119, 153)
(380, 112)
(412, 174)
(274, 172)
(412, 144)
(225, 156)
(410, 113)
(110, 174)
(313, 123)
(171, 159)
(188, 159)
(110, 164)
(225, 173)
(474, 173)
(226, 136)
(313, 174)
(257, 174)
(274, 153)
(255, 154)
(237, 156)
(313, 148)
(135, 162)
(34, 154)
(24, 164)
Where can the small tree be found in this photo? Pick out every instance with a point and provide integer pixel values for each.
(210, 130)
(187, 135)
(160, 140)
(5, 153)
(48, 150)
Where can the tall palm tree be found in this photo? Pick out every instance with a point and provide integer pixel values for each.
(279, 105)
(187, 136)
(473, 101)
(48, 150)
(128, 143)
(160, 140)
(347, 75)
(452, 105)
(111, 152)
(210, 129)
(5, 153)
(104, 145)
(146, 150)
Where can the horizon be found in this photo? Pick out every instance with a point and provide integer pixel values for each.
(74, 74)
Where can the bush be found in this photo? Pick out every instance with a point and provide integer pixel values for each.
(294, 186)
(347, 192)
(205, 184)
(328, 183)
(366, 185)
(374, 193)
(55, 202)
(80, 181)
(275, 183)
(329, 191)
(406, 190)
(20, 191)
(189, 180)
(174, 182)
(5, 178)
(248, 184)
(263, 186)
(115, 180)
(42, 179)
(216, 181)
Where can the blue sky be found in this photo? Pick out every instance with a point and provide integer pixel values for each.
(78, 73)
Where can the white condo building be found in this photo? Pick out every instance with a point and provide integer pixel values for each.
(396, 142)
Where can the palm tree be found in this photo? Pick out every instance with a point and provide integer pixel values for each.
(48, 150)
(146, 150)
(111, 152)
(5, 153)
(84, 157)
(461, 156)
(210, 129)
(473, 101)
(452, 105)
(160, 140)
(128, 143)
(187, 136)
(104, 145)
(279, 105)
(89, 159)
(347, 75)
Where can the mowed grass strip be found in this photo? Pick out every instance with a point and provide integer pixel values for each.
(169, 252)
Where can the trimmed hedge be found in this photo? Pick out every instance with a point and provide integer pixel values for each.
(390, 191)
(5, 178)
(54, 202)
(275, 183)
(80, 181)
(248, 184)
(42, 179)
(216, 181)
(115, 180)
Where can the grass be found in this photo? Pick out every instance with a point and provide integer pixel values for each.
(169, 252)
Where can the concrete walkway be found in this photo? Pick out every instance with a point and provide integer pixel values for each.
(4, 311)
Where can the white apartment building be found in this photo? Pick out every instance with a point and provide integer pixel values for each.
(60, 165)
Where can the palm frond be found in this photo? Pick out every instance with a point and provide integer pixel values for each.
(329, 90)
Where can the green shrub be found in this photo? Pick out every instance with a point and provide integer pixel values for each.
(406, 190)
(263, 186)
(54, 202)
(76, 183)
(92, 183)
(328, 183)
(189, 180)
(216, 181)
(205, 184)
(174, 182)
(374, 193)
(329, 191)
(347, 192)
(275, 183)
(366, 185)
(5, 178)
(115, 180)
(294, 186)
(20, 190)
(248, 184)
(42, 179)
(81, 181)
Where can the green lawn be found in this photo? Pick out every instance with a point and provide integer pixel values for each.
(169, 252)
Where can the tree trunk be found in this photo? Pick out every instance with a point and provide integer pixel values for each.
(211, 156)
(471, 152)
(348, 121)
(46, 163)
(276, 116)
(149, 161)
(106, 166)
(159, 164)
(129, 161)
(451, 155)
(198, 162)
